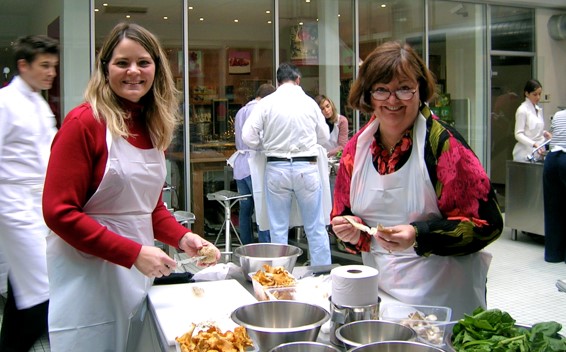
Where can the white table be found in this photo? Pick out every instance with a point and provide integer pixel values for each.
(172, 309)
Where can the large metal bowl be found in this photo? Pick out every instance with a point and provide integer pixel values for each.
(304, 346)
(397, 346)
(272, 323)
(254, 256)
(364, 332)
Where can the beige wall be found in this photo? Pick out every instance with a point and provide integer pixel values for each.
(550, 66)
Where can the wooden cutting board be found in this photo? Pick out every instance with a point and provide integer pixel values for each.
(175, 307)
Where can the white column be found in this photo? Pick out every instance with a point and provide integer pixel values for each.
(75, 52)
(329, 50)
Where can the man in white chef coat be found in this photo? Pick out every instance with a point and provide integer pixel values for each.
(27, 128)
(290, 129)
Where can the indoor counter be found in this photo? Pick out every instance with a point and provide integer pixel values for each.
(524, 207)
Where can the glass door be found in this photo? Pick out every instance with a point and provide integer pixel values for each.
(512, 64)
(230, 54)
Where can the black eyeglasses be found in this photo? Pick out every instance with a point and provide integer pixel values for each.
(401, 94)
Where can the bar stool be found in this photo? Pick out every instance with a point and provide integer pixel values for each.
(184, 217)
(227, 199)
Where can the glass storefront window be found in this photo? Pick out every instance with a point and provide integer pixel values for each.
(230, 54)
(457, 57)
(317, 37)
(512, 28)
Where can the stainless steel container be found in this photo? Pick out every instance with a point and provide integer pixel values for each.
(272, 323)
(364, 332)
(304, 346)
(253, 256)
(341, 315)
(397, 346)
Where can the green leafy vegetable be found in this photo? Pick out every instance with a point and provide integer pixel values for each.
(495, 331)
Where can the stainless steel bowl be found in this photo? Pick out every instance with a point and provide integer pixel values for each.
(304, 346)
(364, 332)
(397, 346)
(254, 256)
(272, 323)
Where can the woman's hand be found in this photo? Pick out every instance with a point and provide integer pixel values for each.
(346, 231)
(153, 262)
(396, 238)
(191, 243)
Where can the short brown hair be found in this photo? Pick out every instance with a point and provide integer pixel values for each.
(27, 48)
(382, 65)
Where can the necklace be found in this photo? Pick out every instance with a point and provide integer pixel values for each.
(391, 150)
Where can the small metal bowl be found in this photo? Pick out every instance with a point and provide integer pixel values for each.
(364, 332)
(254, 256)
(397, 346)
(304, 346)
(272, 323)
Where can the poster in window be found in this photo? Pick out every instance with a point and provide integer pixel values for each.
(304, 44)
(239, 62)
(195, 63)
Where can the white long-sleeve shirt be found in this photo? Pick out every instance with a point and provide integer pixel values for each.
(529, 128)
(27, 128)
(290, 122)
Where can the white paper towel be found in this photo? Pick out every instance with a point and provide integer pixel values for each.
(354, 285)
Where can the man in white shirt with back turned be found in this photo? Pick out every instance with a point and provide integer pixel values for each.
(290, 128)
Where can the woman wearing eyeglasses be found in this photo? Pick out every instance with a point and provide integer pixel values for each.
(417, 177)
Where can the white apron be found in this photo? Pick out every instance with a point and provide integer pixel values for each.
(97, 305)
(333, 140)
(402, 197)
(257, 161)
(22, 227)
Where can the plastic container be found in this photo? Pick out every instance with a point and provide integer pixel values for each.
(261, 292)
(430, 322)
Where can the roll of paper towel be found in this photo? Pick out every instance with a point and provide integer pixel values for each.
(354, 285)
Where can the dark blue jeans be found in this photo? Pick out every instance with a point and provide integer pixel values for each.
(246, 211)
(554, 189)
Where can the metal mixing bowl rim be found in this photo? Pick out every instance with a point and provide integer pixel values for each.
(412, 343)
(348, 342)
(237, 251)
(316, 324)
(309, 343)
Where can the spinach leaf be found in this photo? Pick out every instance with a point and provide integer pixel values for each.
(495, 330)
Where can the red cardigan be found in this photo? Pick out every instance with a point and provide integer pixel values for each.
(77, 163)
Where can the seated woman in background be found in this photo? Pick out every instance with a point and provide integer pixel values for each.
(337, 124)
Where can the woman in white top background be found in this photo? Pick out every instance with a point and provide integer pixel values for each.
(337, 124)
(529, 123)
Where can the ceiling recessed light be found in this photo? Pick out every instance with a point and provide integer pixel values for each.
(128, 16)
(307, 0)
(190, 7)
(96, 10)
(105, 4)
(165, 17)
(383, 5)
(269, 22)
(300, 23)
(236, 21)
(267, 11)
(201, 19)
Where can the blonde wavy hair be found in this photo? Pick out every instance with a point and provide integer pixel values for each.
(161, 106)
(321, 99)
